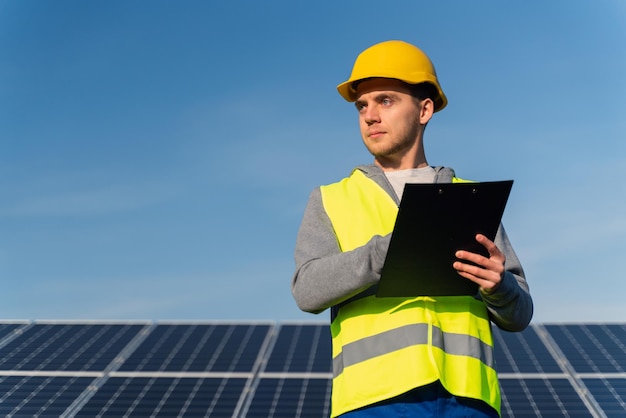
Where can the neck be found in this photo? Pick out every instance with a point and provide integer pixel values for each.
(404, 161)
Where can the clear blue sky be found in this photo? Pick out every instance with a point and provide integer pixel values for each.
(156, 156)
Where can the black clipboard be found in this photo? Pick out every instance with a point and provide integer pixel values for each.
(434, 221)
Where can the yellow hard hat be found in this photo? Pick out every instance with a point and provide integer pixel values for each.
(393, 59)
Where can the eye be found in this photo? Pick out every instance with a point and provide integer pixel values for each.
(360, 106)
(386, 101)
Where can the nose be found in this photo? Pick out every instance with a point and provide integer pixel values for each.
(371, 115)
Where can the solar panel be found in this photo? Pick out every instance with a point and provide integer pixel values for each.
(610, 394)
(537, 397)
(293, 398)
(523, 352)
(301, 348)
(7, 329)
(165, 397)
(199, 348)
(80, 347)
(39, 396)
(592, 348)
(273, 370)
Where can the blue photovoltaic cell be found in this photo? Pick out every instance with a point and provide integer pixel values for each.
(610, 394)
(301, 348)
(39, 396)
(8, 329)
(522, 352)
(292, 398)
(77, 347)
(541, 398)
(592, 348)
(199, 348)
(165, 397)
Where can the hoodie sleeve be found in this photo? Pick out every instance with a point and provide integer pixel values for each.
(324, 275)
(510, 306)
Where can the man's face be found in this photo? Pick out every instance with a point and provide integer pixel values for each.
(389, 117)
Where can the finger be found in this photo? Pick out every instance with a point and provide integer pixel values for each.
(488, 280)
(490, 246)
(479, 272)
(471, 257)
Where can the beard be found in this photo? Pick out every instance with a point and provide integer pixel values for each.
(385, 149)
(396, 141)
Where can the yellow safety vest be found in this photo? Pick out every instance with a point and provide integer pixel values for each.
(384, 347)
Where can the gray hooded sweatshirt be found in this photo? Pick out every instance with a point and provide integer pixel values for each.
(326, 277)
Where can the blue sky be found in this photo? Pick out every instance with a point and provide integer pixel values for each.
(156, 156)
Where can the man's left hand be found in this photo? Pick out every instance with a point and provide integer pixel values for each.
(487, 271)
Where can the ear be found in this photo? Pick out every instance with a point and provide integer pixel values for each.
(427, 109)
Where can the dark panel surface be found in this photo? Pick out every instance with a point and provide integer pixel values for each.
(610, 393)
(165, 397)
(297, 398)
(7, 329)
(541, 398)
(67, 347)
(592, 348)
(522, 352)
(39, 396)
(301, 348)
(199, 348)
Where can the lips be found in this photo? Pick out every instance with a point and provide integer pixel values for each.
(375, 134)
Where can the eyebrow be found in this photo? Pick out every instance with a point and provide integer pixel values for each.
(380, 96)
(386, 93)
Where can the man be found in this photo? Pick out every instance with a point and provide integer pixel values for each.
(417, 356)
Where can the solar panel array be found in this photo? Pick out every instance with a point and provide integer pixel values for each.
(267, 369)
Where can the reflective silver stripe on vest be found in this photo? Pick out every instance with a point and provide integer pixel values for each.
(409, 335)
